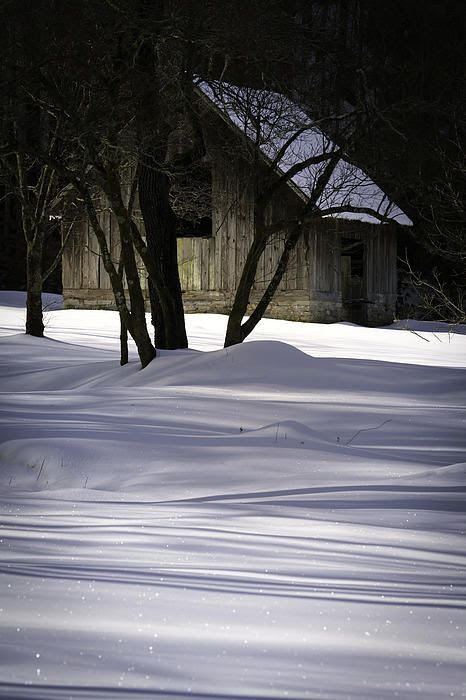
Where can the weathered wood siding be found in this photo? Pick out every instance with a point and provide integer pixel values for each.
(381, 261)
(216, 264)
(196, 263)
(324, 254)
(72, 261)
(210, 268)
(82, 262)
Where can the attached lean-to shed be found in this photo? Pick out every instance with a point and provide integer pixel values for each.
(341, 269)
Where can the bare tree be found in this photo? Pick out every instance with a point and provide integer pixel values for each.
(115, 116)
(432, 294)
(80, 144)
(33, 184)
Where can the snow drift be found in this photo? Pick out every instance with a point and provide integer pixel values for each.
(283, 518)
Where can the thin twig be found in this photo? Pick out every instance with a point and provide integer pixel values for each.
(40, 471)
(365, 429)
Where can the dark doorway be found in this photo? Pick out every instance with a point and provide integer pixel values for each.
(199, 228)
(353, 279)
(191, 200)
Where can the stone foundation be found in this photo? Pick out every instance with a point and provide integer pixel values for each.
(290, 306)
(326, 311)
(88, 299)
(382, 310)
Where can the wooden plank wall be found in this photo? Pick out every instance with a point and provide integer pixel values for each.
(232, 225)
(82, 266)
(379, 258)
(196, 257)
(215, 264)
(91, 261)
(72, 260)
(209, 264)
(381, 263)
(324, 253)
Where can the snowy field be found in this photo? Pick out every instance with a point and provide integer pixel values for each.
(282, 519)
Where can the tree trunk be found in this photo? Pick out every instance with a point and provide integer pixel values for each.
(158, 109)
(136, 297)
(160, 225)
(136, 327)
(34, 316)
(123, 342)
(290, 244)
(156, 314)
(234, 332)
(135, 320)
(124, 357)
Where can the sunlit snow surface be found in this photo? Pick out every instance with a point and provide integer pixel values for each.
(282, 519)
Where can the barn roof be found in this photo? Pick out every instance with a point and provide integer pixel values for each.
(287, 136)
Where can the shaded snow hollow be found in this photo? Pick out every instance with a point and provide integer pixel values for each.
(276, 519)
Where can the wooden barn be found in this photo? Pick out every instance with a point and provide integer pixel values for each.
(341, 269)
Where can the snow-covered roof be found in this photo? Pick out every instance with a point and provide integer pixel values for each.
(287, 136)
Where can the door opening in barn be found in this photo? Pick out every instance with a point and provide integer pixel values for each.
(191, 201)
(353, 282)
(194, 228)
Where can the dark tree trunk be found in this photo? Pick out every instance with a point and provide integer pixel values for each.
(124, 357)
(290, 244)
(234, 332)
(161, 71)
(136, 325)
(156, 313)
(34, 316)
(160, 225)
(136, 297)
(135, 321)
(123, 342)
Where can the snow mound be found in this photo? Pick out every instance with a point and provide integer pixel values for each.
(42, 364)
(50, 365)
(254, 363)
(251, 367)
(76, 462)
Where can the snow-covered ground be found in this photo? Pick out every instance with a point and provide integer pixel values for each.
(282, 519)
